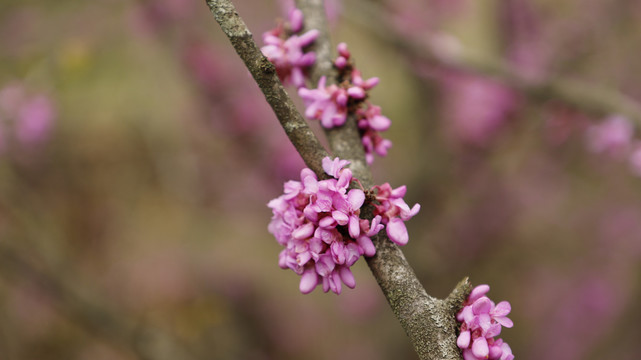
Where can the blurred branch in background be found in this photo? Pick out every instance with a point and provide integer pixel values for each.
(445, 51)
(87, 312)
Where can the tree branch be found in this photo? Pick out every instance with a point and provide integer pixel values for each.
(429, 322)
(587, 97)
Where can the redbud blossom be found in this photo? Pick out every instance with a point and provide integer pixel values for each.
(481, 321)
(394, 211)
(285, 48)
(325, 103)
(318, 224)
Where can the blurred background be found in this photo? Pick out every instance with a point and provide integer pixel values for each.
(137, 157)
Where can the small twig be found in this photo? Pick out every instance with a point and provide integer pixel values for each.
(265, 76)
(587, 97)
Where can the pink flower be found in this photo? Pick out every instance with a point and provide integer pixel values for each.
(394, 211)
(365, 85)
(286, 49)
(481, 320)
(334, 167)
(318, 224)
(370, 123)
(325, 103)
(371, 118)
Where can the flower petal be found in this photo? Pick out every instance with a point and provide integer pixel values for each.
(347, 277)
(480, 348)
(325, 265)
(337, 250)
(354, 227)
(397, 231)
(495, 351)
(340, 217)
(463, 340)
(478, 291)
(356, 198)
(507, 352)
(502, 309)
(303, 232)
(366, 245)
(482, 306)
(493, 330)
(505, 321)
(308, 281)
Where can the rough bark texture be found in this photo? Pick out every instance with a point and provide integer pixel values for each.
(429, 322)
(265, 76)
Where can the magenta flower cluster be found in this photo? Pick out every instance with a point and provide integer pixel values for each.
(285, 48)
(332, 104)
(481, 321)
(318, 224)
(394, 211)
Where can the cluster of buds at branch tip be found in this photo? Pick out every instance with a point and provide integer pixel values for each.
(481, 320)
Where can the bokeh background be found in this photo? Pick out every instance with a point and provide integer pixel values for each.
(137, 157)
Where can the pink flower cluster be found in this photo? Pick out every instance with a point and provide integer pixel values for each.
(394, 211)
(285, 48)
(318, 224)
(481, 321)
(615, 138)
(30, 117)
(332, 104)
